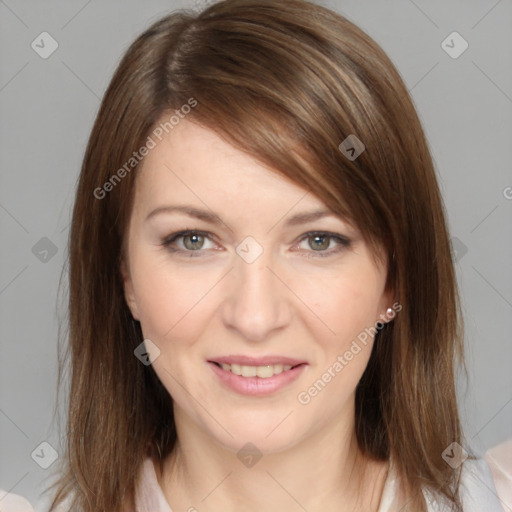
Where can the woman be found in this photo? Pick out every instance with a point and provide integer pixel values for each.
(263, 307)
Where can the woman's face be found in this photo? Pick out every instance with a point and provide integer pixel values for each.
(258, 286)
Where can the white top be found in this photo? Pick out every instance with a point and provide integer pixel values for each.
(478, 492)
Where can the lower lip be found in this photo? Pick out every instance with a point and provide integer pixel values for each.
(256, 386)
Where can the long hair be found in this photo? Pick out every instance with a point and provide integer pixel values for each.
(287, 83)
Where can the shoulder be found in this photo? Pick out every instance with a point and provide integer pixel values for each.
(480, 490)
(14, 502)
(477, 490)
(499, 459)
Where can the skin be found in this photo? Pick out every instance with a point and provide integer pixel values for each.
(290, 302)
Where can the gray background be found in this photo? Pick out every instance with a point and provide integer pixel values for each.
(47, 109)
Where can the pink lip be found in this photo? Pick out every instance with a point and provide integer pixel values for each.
(256, 386)
(256, 361)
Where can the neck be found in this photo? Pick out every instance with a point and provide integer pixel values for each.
(326, 471)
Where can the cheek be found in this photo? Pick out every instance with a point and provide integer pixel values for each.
(344, 304)
(171, 303)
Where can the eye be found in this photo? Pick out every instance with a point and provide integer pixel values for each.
(188, 241)
(323, 243)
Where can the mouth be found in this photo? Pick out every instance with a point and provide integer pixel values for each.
(256, 377)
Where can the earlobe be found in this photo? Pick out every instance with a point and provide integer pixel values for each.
(391, 311)
(388, 307)
(129, 294)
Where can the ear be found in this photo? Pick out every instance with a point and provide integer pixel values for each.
(128, 289)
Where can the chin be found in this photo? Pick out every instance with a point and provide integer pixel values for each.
(268, 434)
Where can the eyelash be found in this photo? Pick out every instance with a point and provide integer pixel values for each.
(343, 242)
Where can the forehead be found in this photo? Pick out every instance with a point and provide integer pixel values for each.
(192, 162)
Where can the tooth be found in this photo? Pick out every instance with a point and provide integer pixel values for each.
(236, 369)
(278, 368)
(265, 371)
(248, 371)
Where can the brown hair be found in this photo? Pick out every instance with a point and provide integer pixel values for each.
(286, 82)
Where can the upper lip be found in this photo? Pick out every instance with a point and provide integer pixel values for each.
(257, 361)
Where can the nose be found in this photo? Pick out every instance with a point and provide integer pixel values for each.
(257, 304)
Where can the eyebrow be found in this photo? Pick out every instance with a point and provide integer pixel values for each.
(212, 218)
